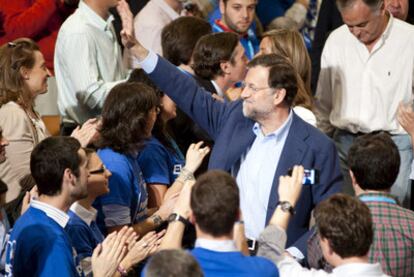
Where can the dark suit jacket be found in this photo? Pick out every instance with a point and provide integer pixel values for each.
(232, 134)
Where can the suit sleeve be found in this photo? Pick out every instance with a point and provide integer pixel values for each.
(207, 112)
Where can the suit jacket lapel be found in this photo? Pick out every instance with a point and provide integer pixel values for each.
(292, 154)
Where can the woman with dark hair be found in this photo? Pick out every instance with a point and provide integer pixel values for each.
(23, 76)
(160, 160)
(128, 116)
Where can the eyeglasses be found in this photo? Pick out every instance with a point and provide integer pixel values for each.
(98, 171)
(252, 87)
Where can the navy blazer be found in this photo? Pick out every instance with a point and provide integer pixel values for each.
(232, 134)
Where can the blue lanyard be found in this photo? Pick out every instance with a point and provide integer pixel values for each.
(377, 199)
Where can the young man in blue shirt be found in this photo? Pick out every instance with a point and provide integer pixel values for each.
(237, 17)
(38, 244)
(214, 209)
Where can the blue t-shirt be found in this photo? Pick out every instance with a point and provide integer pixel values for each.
(229, 264)
(39, 246)
(159, 164)
(84, 238)
(127, 189)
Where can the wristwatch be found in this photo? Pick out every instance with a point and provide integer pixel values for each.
(286, 207)
(176, 217)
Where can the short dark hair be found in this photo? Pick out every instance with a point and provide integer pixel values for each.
(125, 117)
(179, 37)
(282, 74)
(173, 263)
(215, 202)
(375, 161)
(49, 160)
(212, 50)
(373, 4)
(346, 223)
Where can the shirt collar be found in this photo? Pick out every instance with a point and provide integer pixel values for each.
(167, 9)
(216, 245)
(57, 215)
(221, 25)
(378, 194)
(387, 30)
(218, 89)
(277, 134)
(94, 18)
(86, 215)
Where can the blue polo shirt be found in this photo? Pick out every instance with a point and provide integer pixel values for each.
(229, 264)
(39, 246)
(159, 164)
(126, 202)
(83, 231)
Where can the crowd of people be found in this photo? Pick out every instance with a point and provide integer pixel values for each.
(298, 161)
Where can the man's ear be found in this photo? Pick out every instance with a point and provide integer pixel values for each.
(279, 96)
(225, 67)
(222, 7)
(192, 218)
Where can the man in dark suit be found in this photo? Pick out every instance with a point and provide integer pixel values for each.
(257, 139)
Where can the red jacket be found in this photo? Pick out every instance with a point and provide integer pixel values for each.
(39, 20)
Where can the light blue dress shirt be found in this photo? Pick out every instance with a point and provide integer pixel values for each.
(255, 176)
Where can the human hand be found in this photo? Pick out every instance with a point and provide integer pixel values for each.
(167, 206)
(139, 250)
(291, 186)
(107, 256)
(405, 116)
(233, 93)
(195, 155)
(29, 195)
(127, 32)
(88, 133)
(182, 206)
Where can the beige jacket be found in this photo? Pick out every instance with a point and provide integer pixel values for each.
(22, 136)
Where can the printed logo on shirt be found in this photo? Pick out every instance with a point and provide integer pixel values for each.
(11, 248)
(177, 169)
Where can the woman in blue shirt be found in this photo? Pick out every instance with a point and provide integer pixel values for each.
(128, 116)
(160, 160)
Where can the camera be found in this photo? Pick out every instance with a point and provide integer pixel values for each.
(310, 177)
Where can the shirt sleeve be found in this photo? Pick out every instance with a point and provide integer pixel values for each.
(153, 161)
(120, 183)
(324, 93)
(83, 71)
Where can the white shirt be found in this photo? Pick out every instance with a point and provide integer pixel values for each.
(88, 63)
(148, 25)
(306, 114)
(290, 267)
(59, 216)
(359, 91)
(86, 215)
(217, 245)
(255, 176)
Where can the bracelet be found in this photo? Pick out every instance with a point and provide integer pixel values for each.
(122, 271)
(186, 175)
